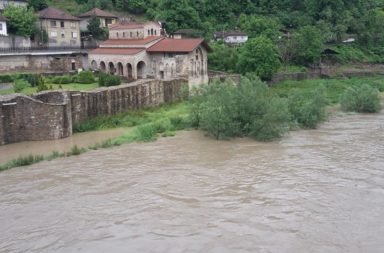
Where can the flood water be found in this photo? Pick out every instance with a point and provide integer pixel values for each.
(314, 191)
(82, 140)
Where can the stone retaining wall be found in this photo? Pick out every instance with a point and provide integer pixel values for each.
(51, 115)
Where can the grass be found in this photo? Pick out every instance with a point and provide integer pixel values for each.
(334, 87)
(71, 86)
(177, 113)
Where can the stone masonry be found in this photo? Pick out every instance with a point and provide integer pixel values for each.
(50, 115)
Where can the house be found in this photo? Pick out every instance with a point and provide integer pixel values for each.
(63, 29)
(106, 18)
(135, 51)
(3, 26)
(231, 37)
(5, 3)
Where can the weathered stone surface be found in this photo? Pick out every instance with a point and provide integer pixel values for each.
(51, 114)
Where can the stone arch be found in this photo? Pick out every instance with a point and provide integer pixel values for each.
(129, 71)
(141, 70)
(111, 68)
(93, 65)
(103, 67)
(120, 69)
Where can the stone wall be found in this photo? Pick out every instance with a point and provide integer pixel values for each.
(51, 115)
(14, 42)
(41, 63)
(24, 118)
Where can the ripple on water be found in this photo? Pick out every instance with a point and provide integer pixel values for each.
(314, 191)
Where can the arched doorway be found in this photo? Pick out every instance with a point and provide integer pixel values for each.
(111, 68)
(129, 71)
(141, 70)
(94, 65)
(103, 68)
(120, 69)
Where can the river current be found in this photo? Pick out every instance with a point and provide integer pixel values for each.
(313, 191)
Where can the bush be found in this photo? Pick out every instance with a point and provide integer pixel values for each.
(109, 80)
(361, 99)
(19, 85)
(61, 80)
(225, 111)
(43, 87)
(85, 77)
(308, 108)
(146, 133)
(6, 78)
(34, 79)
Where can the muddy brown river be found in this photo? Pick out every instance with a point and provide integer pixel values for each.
(314, 191)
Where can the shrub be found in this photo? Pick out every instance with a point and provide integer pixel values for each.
(43, 87)
(34, 79)
(308, 108)
(361, 99)
(19, 85)
(146, 133)
(109, 80)
(62, 80)
(85, 77)
(6, 78)
(224, 111)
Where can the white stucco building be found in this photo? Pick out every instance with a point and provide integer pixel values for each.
(5, 3)
(232, 37)
(135, 51)
(3, 26)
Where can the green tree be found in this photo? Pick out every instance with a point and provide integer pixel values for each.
(259, 55)
(95, 29)
(37, 5)
(307, 45)
(21, 21)
(256, 25)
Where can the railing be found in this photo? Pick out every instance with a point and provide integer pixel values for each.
(44, 48)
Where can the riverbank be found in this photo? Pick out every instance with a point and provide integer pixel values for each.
(149, 124)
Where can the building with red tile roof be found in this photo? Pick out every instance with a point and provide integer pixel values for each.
(136, 51)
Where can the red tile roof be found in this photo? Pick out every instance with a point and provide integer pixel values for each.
(117, 51)
(130, 42)
(177, 45)
(98, 13)
(52, 13)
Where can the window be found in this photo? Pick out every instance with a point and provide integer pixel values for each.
(74, 35)
(117, 35)
(1, 26)
(73, 25)
(137, 34)
(123, 34)
(131, 34)
(53, 34)
(53, 23)
(149, 32)
(155, 32)
(62, 24)
(62, 34)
